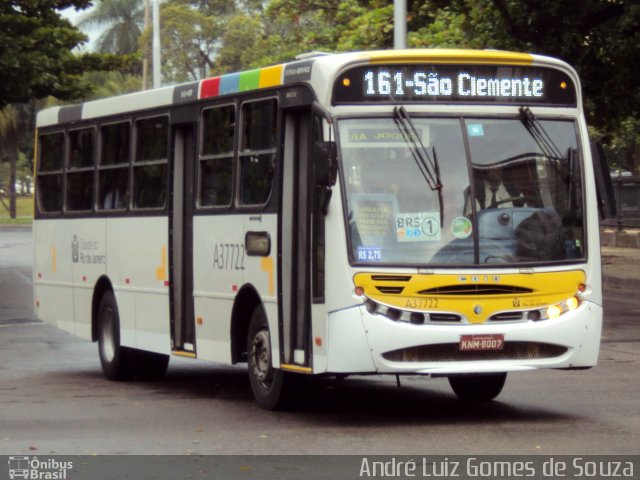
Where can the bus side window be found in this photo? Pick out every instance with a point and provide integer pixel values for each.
(80, 170)
(216, 157)
(150, 163)
(258, 153)
(51, 162)
(113, 171)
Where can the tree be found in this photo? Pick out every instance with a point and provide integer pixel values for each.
(13, 120)
(36, 52)
(189, 41)
(123, 21)
(37, 60)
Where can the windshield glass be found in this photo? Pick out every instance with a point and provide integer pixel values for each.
(513, 198)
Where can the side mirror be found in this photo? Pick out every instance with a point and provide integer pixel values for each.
(604, 185)
(325, 163)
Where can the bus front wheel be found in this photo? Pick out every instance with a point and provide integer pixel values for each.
(267, 383)
(114, 358)
(477, 387)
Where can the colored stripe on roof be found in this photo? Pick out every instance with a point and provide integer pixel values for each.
(229, 83)
(271, 76)
(210, 87)
(249, 80)
(242, 81)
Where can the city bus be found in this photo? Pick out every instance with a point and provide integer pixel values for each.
(409, 212)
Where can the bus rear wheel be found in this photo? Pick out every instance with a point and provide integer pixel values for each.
(478, 387)
(115, 359)
(268, 384)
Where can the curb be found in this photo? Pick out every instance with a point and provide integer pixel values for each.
(623, 238)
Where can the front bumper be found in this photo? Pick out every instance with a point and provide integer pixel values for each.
(361, 342)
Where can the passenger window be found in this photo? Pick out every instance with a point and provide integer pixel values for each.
(50, 193)
(51, 162)
(150, 163)
(216, 157)
(81, 148)
(51, 152)
(258, 154)
(80, 167)
(113, 171)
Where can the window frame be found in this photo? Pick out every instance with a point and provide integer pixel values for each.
(134, 163)
(70, 170)
(230, 155)
(60, 172)
(101, 168)
(241, 153)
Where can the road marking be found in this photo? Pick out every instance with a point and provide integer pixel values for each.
(24, 277)
(21, 324)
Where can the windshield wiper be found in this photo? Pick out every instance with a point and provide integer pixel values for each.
(427, 164)
(544, 141)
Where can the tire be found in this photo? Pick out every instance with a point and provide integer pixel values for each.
(148, 366)
(480, 387)
(268, 384)
(114, 358)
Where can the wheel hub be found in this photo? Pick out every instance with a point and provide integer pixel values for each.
(260, 358)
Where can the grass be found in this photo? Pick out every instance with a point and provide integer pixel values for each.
(24, 211)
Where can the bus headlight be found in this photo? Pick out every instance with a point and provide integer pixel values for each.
(554, 311)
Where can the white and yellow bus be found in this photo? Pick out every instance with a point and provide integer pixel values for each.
(429, 212)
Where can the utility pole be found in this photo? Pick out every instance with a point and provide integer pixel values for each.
(145, 59)
(399, 24)
(156, 44)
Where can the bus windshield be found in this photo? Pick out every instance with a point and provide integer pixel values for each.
(509, 191)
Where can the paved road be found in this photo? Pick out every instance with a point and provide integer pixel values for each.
(53, 399)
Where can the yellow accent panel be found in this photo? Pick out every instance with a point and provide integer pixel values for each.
(180, 353)
(161, 271)
(54, 258)
(296, 368)
(267, 266)
(270, 76)
(493, 57)
(547, 288)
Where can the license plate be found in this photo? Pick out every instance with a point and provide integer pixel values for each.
(481, 342)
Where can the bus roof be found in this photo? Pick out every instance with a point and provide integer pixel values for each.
(299, 71)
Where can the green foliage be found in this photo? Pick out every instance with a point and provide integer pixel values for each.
(189, 39)
(36, 52)
(124, 21)
(241, 37)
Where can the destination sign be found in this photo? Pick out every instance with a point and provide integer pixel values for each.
(495, 84)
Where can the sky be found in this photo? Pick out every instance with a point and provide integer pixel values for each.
(73, 16)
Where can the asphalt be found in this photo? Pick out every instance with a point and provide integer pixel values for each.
(621, 268)
(620, 259)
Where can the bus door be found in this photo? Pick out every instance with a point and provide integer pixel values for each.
(295, 241)
(181, 238)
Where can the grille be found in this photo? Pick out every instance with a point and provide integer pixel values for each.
(476, 289)
(445, 317)
(390, 290)
(390, 278)
(450, 352)
(507, 317)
